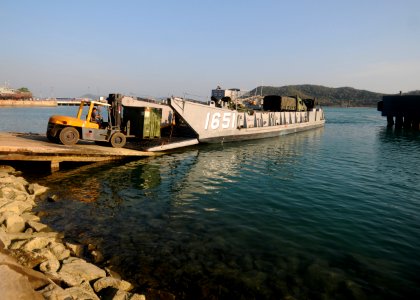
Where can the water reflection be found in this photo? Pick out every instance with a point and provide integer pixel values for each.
(387, 134)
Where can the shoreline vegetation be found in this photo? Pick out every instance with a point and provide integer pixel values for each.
(38, 263)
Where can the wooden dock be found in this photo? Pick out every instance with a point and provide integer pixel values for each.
(36, 147)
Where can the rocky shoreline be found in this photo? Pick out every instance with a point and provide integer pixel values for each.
(36, 262)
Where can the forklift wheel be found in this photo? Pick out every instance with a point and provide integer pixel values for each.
(117, 140)
(69, 136)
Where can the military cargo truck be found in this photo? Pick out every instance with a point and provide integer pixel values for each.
(283, 103)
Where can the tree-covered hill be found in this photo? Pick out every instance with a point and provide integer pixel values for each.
(416, 92)
(343, 96)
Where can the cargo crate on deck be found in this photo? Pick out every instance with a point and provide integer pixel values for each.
(144, 122)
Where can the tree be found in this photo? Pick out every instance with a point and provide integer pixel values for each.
(24, 90)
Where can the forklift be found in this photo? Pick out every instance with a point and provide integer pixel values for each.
(140, 122)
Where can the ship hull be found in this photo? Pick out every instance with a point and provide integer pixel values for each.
(249, 134)
(213, 124)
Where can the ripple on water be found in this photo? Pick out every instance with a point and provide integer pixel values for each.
(330, 213)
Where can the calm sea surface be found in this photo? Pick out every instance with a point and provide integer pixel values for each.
(332, 213)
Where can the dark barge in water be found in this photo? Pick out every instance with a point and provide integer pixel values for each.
(401, 110)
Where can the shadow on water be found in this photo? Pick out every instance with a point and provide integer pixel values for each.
(231, 221)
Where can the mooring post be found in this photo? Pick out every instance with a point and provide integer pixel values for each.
(398, 122)
(407, 122)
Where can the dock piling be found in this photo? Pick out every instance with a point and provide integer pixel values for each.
(55, 165)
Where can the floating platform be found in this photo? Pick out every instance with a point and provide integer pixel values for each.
(36, 147)
(401, 110)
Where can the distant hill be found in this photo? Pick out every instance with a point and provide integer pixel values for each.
(416, 92)
(343, 96)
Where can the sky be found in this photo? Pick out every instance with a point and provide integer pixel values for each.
(186, 48)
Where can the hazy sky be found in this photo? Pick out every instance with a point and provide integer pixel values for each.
(159, 48)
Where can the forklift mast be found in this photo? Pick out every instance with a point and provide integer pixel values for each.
(115, 100)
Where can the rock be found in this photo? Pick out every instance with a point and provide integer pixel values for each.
(97, 256)
(14, 223)
(136, 297)
(112, 273)
(17, 183)
(16, 206)
(91, 247)
(29, 231)
(52, 235)
(52, 198)
(17, 244)
(4, 238)
(37, 243)
(29, 216)
(75, 249)
(37, 226)
(16, 286)
(24, 196)
(51, 264)
(9, 192)
(59, 250)
(7, 170)
(69, 279)
(36, 189)
(54, 292)
(75, 270)
(106, 282)
(13, 182)
(80, 293)
(53, 276)
(21, 236)
(123, 295)
(36, 279)
(86, 286)
(27, 259)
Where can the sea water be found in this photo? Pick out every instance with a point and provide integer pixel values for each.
(331, 213)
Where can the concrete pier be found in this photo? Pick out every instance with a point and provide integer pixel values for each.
(35, 147)
(28, 103)
(403, 111)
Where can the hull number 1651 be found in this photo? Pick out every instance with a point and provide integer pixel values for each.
(215, 120)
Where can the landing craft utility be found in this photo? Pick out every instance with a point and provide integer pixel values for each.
(222, 121)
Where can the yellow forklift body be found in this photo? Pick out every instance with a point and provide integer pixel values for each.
(58, 126)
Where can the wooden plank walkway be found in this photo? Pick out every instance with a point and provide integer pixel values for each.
(35, 147)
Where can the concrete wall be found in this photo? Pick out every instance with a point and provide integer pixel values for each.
(28, 103)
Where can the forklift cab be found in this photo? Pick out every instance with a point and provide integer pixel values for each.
(87, 108)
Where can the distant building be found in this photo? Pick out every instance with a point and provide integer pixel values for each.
(7, 93)
(220, 93)
(6, 90)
